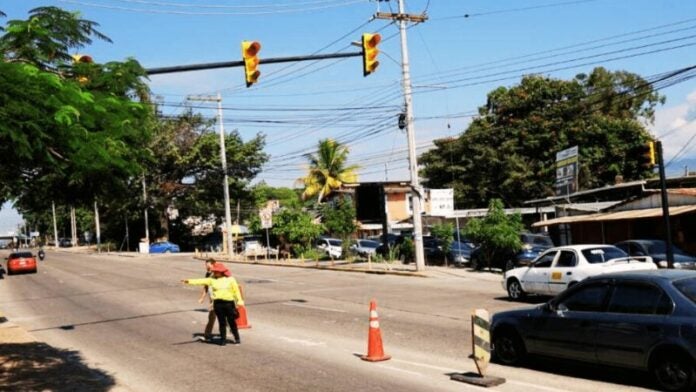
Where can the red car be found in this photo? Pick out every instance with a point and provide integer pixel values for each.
(21, 262)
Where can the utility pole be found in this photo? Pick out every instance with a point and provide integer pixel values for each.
(665, 206)
(147, 223)
(55, 225)
(223, 159)
(96, 223)
(403, 18)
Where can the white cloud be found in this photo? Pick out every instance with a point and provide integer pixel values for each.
(675, 126)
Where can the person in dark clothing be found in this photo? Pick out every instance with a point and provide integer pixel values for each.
(225, 294)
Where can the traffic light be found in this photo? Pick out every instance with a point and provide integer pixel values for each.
(370, 52)
(647, 155)
(82, 59)
(250, 50)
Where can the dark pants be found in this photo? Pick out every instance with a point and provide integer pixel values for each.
(225, 312)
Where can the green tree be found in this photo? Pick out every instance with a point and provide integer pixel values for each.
(338, 218)
(444, 232)
(508, 152)
(185, 171)
(69, 132)
(327, 170)
(295, 229)
(495, 233)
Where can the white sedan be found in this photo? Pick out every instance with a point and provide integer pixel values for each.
(559, 268)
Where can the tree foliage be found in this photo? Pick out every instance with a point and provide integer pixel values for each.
(338, 218)
(327, 170)
(72, 128)
(496, 232)
(508, 152)
(296, 228)
(444, 232)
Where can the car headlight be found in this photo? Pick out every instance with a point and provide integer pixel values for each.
(677, 265)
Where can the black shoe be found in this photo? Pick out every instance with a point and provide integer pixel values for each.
(223, 343)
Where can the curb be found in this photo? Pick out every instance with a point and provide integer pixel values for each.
(321, 267)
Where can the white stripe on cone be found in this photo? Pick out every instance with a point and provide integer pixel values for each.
(373, 314)
(374, 324)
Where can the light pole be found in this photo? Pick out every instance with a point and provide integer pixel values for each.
(223, 159)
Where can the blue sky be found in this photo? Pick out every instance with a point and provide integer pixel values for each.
(455, 61)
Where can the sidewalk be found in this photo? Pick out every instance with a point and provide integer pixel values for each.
(29, 365)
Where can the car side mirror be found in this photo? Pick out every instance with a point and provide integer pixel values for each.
(561, 309)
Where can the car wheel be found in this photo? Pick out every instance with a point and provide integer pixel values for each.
(514, 289)
(674, 372)
(509, 265)
(476, 264)
(168, 251)
(508, 347)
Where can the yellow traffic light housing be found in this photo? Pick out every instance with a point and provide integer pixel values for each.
(370, 52)
(250, 50)
(651, 148)
(648, 156)
(82, 59)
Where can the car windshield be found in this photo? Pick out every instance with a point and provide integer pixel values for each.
(687, 287)
(335, 242)
(368, 244)
(537, 240)
(20, 254)
(659, 247)
(602, 254)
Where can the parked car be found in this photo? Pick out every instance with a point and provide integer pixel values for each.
(460, 251)
(65, 242)
(642, 320)
(164, 247)
(332, 246)
(657, 249)
(21, 262)
(532, 246)
(559, 268)
(363, 248)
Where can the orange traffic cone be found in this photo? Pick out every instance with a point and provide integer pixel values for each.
(242, 322)
(375, 351)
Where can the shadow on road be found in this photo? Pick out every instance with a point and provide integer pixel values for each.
(37, 366)
(607, 374)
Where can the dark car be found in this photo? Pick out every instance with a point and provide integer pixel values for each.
(21, 262)
(65, 242)
(657, 249)
(643, 320)
(459, 253)
(532, 246)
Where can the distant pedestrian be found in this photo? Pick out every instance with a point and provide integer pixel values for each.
(225, 294)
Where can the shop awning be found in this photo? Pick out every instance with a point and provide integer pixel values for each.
(619, 215)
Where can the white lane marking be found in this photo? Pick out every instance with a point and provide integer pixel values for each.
(444, 369)
(401, 370)
(308, 343)
(450, 370)
(314, 307)
(536, 387)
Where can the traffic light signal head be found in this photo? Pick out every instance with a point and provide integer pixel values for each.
(82, 59)
(250, 50)
(370, 52)
(648, 155)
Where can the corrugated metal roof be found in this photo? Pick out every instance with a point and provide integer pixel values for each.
(621, 215)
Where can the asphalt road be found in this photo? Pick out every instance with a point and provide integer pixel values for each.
(133, 320)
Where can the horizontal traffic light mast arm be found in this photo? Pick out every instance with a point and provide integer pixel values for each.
(231, 64)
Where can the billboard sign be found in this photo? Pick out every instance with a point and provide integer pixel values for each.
(567, 171)
(441, 202)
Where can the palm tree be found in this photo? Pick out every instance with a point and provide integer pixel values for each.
(327, 170)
